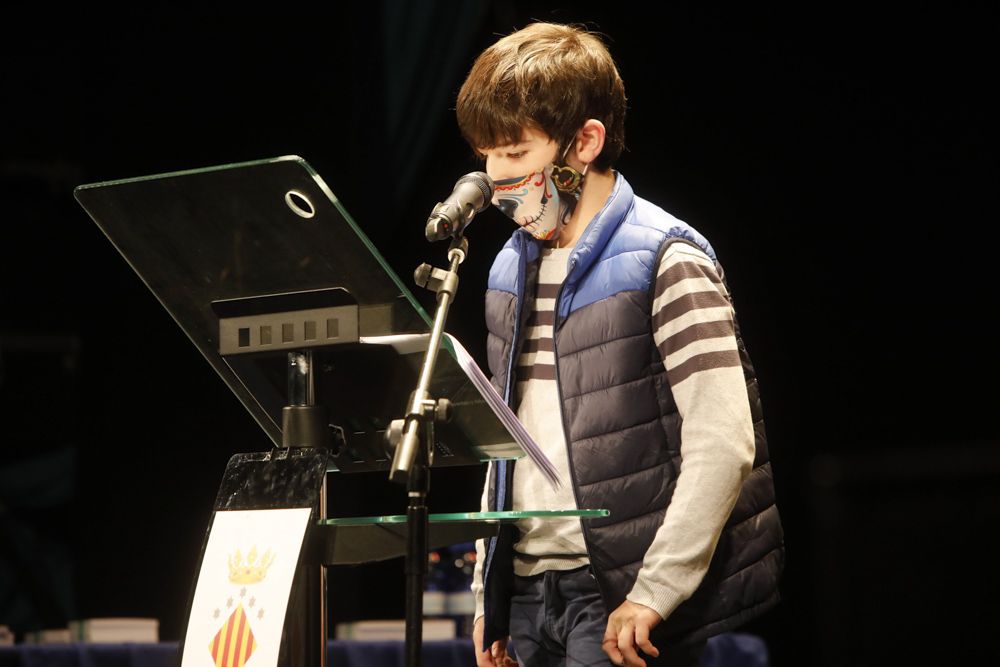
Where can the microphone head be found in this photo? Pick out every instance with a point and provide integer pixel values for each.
(485, 184)
(471, 195)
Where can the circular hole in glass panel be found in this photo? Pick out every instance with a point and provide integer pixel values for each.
(299, 204)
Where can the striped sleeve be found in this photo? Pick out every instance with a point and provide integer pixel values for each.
(693, 327)
(692, 315)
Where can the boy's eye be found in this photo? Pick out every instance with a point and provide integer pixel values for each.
(516, 155)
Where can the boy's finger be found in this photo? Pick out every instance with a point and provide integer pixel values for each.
(642, 640)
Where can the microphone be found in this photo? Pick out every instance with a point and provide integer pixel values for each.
(472, 194)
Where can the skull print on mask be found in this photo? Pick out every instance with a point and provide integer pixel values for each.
(534, 201)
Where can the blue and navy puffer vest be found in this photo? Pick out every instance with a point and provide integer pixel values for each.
(621, 423)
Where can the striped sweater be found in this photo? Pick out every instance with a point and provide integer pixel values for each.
(692, 322)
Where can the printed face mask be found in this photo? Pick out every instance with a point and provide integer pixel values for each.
(534, 201)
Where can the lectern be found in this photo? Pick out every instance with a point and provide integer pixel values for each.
(305, 322)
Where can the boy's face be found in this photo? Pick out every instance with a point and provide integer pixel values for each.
(535, 151)
(525, 191)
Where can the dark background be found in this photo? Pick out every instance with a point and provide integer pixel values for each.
(841, 160)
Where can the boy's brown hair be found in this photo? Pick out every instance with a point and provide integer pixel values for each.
(550, 76)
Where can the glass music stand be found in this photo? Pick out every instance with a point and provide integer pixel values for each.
(298, 313)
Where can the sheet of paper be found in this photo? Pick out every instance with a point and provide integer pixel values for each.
(414, 343)
(243, 587)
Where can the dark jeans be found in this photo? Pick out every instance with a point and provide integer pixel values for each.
(558, 619)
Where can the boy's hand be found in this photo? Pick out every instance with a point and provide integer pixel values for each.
(628, 627)
(496, 656)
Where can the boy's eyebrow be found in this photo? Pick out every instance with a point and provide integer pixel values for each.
(505, 147)
(517, 144)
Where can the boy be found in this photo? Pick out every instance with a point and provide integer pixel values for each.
(612, 334)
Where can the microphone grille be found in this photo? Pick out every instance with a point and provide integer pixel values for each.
(485, 184)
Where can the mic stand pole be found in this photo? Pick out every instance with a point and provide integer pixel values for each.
(412, 459)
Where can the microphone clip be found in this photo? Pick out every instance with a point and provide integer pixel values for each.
(440, 224)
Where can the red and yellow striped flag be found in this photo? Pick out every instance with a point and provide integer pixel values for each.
(234, 643)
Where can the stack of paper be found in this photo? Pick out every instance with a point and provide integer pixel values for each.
(503, 411)
(413, 343)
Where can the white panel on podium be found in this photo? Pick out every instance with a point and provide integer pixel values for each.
(243, 588)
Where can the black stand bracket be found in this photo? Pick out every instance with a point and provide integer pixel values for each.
(412, 459)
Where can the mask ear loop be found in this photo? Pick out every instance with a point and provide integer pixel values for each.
(567, 179)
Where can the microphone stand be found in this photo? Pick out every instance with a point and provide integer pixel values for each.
(412, 458)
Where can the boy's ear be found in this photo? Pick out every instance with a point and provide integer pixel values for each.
(590, 140)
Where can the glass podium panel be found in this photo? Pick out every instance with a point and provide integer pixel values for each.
(493, 517)
(223, 247)
(356, 540)
(245, 230)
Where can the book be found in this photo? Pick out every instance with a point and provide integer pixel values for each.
(50, 636)
(395, 630)
(115, 630)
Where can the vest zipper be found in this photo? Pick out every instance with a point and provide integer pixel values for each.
(500, 485)
(562, 417)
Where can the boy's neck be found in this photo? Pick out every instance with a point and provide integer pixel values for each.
(597, 187)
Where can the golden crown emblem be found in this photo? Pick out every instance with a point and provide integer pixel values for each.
(251, 570)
